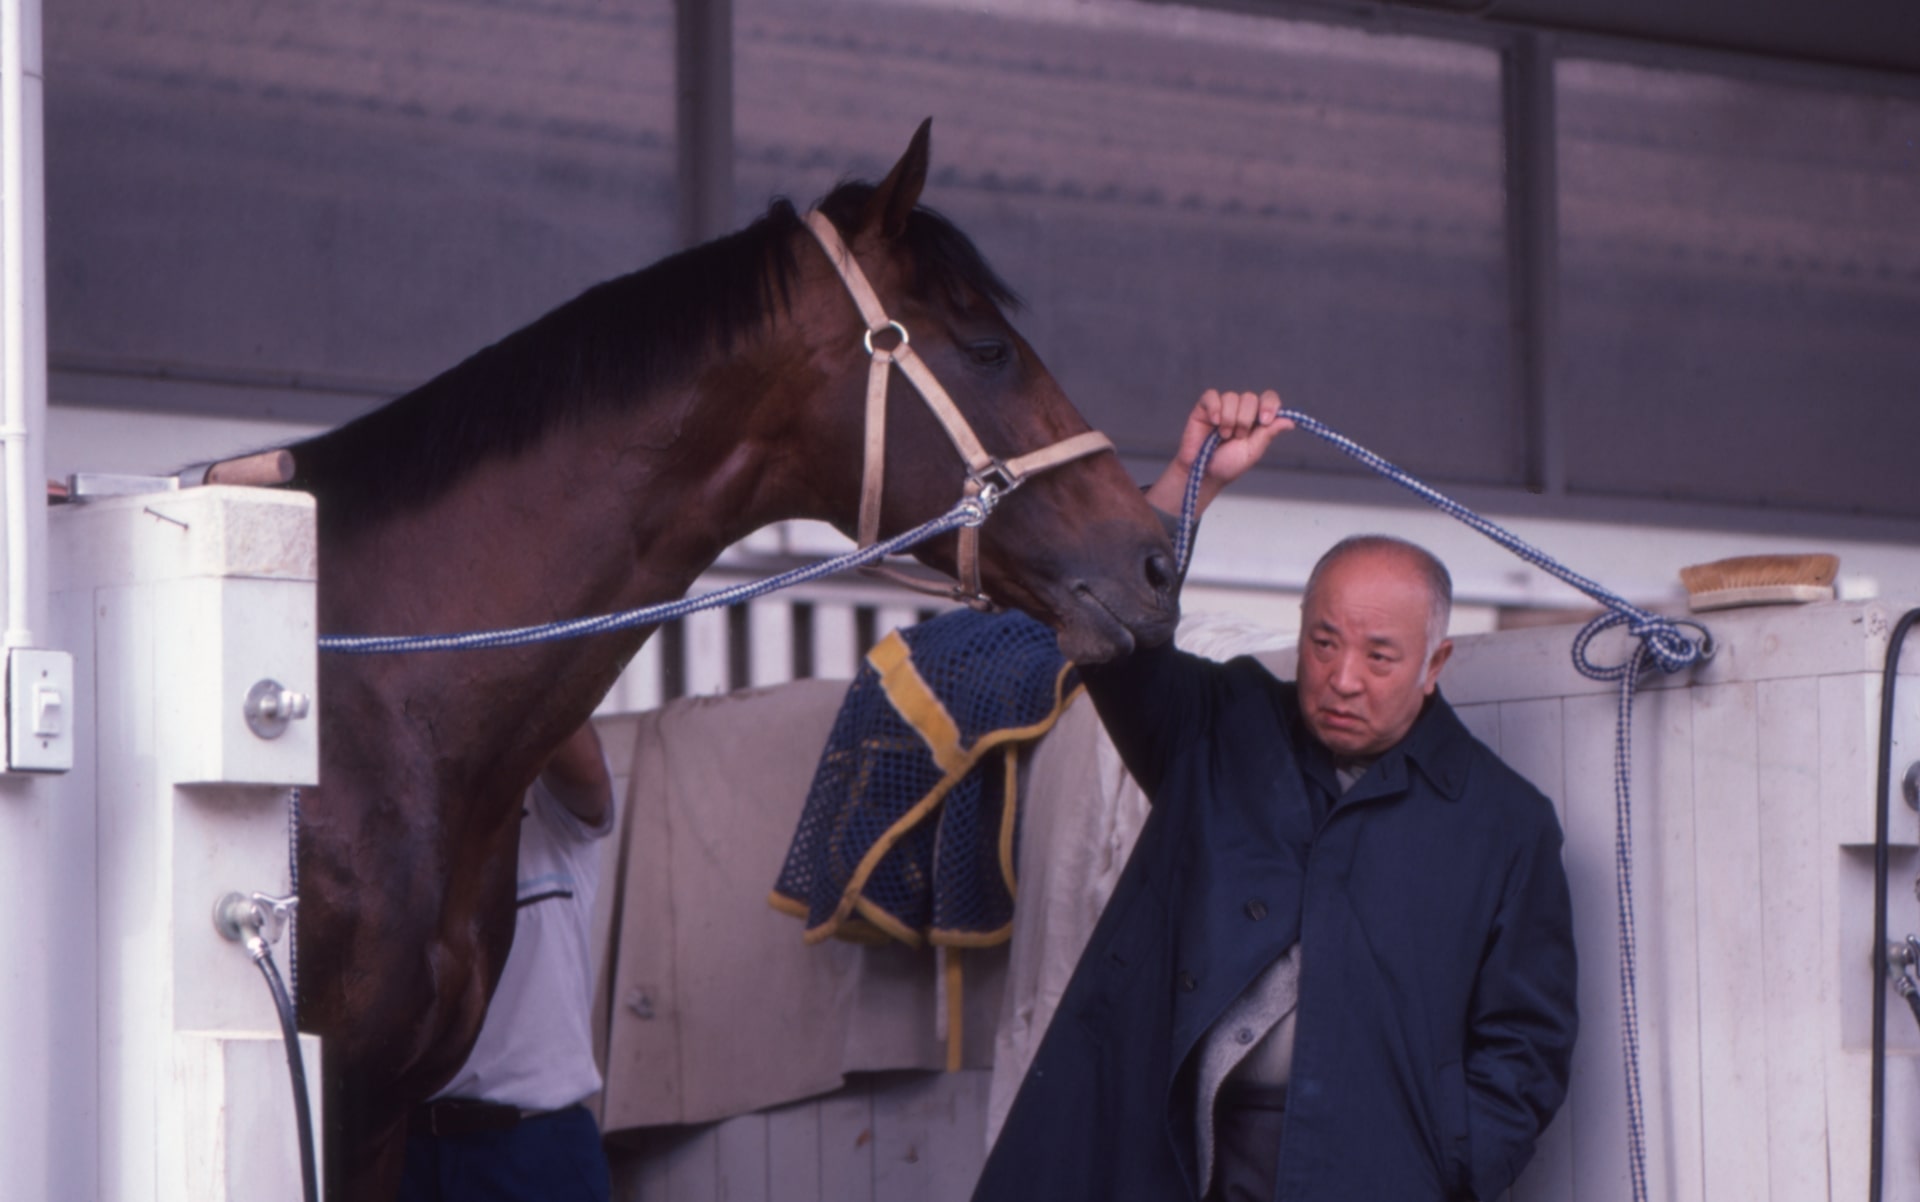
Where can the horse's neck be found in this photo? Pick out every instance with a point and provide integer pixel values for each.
(603, 516)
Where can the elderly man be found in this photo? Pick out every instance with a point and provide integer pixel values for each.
(1339, 964)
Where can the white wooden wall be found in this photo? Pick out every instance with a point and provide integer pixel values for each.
(1753, 824)
(1753, 791)
(886, 1137)
(829, 618)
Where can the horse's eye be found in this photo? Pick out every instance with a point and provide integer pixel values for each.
(989, 352)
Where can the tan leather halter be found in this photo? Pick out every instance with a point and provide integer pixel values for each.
(988, 479)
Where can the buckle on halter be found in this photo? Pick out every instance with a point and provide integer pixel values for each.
(994, 481)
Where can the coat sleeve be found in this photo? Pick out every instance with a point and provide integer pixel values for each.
(1523, 1019)
(1152, 703)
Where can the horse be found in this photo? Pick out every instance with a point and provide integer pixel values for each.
(598, 459)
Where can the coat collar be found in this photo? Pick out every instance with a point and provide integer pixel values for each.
(1439, 747)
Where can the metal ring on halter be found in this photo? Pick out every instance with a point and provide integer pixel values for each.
(978, 508)
(896, 327)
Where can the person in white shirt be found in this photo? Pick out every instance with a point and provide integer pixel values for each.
(510, 1125)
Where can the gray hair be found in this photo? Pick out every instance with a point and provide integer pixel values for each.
(1432, 573)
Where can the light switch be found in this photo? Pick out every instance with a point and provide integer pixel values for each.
(39, 698)
(48, 708)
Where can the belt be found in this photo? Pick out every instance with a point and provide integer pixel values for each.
(465, 1116)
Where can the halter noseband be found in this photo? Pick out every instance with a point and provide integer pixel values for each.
(988, 478)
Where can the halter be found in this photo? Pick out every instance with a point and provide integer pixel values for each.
(988, 478)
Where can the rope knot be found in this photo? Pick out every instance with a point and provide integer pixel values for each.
(1661, 640)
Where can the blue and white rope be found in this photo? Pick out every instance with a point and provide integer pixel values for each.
(970, 511)
(1662, 642)
(293, 890)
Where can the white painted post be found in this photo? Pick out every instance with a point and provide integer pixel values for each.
(176, 605)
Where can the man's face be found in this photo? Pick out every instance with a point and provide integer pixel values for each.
(1364, 667)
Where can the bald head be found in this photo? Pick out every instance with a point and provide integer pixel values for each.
(1418, 562)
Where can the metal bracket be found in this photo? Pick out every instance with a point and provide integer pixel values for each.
(270, 706)
(238, 916)
(82, 485)
(996, 479)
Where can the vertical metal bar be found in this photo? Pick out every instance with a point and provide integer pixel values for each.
(1533, 238)
(703, 72)
(23, 305)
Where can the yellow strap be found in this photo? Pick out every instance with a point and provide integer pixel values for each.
(956, 1013)
(914, 700)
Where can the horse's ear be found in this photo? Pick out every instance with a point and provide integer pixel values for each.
(900, 191)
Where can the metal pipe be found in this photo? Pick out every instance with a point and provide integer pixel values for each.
(1883, 796)
(23, 292)
(703, 38)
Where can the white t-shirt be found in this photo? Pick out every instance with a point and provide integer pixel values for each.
(536, 1044)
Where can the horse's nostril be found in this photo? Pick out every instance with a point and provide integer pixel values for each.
(1160, 574)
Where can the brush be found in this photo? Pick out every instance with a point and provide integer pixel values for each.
(1760, 580)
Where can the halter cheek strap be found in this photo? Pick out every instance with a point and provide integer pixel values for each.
(988, 478)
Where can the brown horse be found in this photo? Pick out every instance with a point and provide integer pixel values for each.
(600, 459)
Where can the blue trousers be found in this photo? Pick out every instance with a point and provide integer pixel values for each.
(548, 1158)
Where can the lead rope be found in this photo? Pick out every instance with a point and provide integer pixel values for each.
(293, 889)
(1662, 642)
(969, 511)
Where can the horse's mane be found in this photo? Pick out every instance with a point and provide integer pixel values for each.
(612, 346)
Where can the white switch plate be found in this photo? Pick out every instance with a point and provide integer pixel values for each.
(40, 709)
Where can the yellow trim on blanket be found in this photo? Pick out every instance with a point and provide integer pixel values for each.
(1009, 822)
(916, 703)
(786, 905)
(941, 937)
(956, 1010)
(913, 699)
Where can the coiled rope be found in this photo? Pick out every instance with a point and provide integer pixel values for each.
(1662, 641)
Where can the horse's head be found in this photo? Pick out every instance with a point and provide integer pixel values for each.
(1074, 544)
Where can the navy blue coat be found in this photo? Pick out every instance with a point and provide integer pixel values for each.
(1436, 1017)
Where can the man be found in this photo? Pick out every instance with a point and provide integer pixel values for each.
(510, 1126)
(1339, 964)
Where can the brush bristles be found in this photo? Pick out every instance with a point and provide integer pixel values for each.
(1760, 580)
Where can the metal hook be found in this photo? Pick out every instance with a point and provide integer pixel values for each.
(244, 917)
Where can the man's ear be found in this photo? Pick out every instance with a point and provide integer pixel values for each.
(896, 195)
(1435, 662)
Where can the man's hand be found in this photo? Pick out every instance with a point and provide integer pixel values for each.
(1248, 424)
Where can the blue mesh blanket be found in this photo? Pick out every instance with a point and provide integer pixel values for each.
(911, 826)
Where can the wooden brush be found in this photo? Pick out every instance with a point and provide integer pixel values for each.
(1760, 580)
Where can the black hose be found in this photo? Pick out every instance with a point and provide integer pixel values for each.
(296, 1066)
(1878, 1120)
